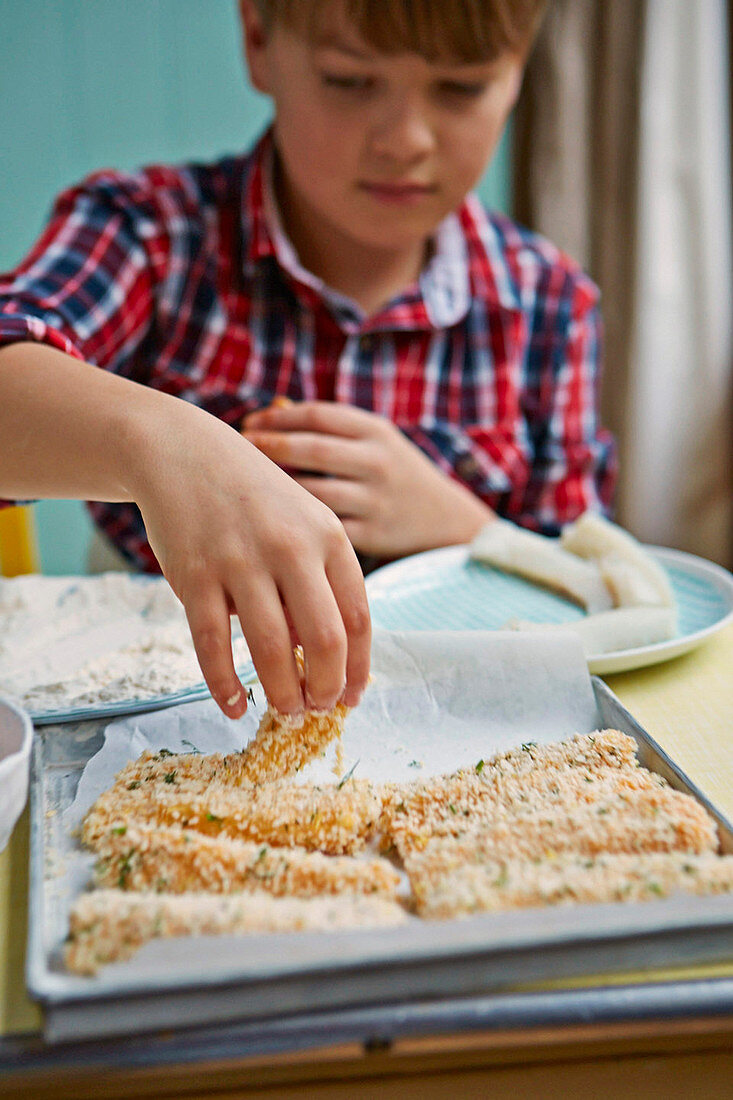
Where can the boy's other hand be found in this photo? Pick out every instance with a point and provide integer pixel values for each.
(235, 535)
(391, 498)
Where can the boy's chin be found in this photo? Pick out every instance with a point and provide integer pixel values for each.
(394, 227)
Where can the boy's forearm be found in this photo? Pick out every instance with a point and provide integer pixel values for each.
(72, 430)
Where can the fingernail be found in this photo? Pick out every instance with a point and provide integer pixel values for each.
(294, 712)
(312, 704)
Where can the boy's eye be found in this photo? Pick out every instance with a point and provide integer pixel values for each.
(462, 89)
(346, 83)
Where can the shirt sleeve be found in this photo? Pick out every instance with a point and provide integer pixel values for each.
(554, 461)
(86, 287)
(573, 459)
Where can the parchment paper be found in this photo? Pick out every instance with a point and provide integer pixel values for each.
(437, 702)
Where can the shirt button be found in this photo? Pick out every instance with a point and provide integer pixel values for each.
(467, 467)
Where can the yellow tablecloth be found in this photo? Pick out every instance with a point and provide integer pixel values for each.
(685, 704)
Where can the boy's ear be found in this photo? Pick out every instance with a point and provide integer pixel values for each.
(255, 44)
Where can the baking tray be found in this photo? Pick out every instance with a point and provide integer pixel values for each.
(259, 977)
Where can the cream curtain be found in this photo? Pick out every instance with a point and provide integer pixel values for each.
(622, 156)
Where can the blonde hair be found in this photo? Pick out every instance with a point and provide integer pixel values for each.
(462, 30)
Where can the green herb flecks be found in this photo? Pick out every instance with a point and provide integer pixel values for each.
(348, 775)
(125, 869)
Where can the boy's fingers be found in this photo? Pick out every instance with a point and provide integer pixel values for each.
(269, 637)
(324, 454)
(208, 619)
(342, 496)
(316, 416)
(347, 583)
(319, 624)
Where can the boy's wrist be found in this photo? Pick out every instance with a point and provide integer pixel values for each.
(148, 433)
(164, 438)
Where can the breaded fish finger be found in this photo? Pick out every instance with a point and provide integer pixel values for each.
(109, 925)
(144, 857)
(515, 884)
(282, 745)
(333, 819)
(650, 821)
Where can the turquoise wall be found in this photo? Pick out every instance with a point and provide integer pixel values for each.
(86, 84)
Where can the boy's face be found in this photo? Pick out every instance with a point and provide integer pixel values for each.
(379, 148)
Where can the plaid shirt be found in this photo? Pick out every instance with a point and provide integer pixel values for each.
(183, 280)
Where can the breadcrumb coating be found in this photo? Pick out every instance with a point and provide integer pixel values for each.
(110, 925)
(515, 884)
(188, 844)
(140, 857)
(581, 770)
(282, 745)
(332, 819)
(654, 820)
(605, 794)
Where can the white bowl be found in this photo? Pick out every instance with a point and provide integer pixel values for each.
(16, 737)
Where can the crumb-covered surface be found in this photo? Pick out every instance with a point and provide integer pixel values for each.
(190, 851)
(493, 781)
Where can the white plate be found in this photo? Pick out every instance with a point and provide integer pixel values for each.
(443, 590)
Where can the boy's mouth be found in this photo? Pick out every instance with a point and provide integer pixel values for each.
(397, 193)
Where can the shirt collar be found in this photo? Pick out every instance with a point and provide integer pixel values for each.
(441, 296)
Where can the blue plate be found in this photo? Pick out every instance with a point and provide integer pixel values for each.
(444, 590)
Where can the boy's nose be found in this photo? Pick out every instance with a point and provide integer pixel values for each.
(402, 132)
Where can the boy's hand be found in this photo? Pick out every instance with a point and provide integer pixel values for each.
(234, 534)
(390, 497)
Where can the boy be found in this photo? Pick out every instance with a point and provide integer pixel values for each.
(441, 363)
